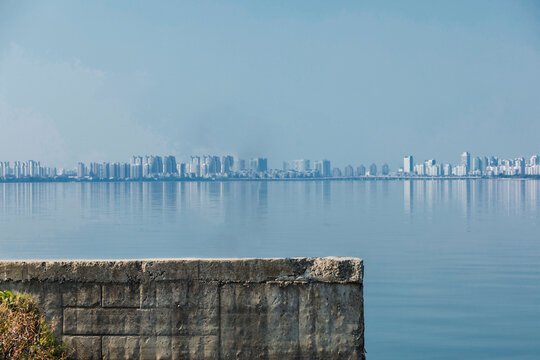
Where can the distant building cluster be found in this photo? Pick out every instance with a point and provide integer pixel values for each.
(473, 166)
(221, 167)
(147, 167)
(26, 169)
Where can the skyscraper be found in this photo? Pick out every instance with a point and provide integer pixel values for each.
(169, 165)
(181, 169)
(195, 166)
(227, 163)
(385, 169)
(241, 165)
(476, 165)
(81, 170)
(408, 164)
(361, 170)
(466, 161)
(336, 172)
(373, 170)
(301, 165)
(258, 164)
(322, 167)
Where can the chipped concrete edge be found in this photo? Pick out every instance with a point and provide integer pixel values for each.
(308, 269)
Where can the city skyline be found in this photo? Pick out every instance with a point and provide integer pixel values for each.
(229, 167)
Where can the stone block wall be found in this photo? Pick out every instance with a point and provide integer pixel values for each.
(302, 308)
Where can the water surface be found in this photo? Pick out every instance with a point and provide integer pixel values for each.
(452, 266)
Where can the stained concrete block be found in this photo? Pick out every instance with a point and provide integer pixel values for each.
(121, 295)
(156, 347)
(83, 347)
(81, 295)
(90, 321)
(195, 347)
(244, 309)
(120, 347)
(331, 320)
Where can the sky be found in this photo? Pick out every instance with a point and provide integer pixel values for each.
(351, 81)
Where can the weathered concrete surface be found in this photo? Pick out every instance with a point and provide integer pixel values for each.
(302, 308)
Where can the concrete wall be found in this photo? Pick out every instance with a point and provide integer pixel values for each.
(304, 308)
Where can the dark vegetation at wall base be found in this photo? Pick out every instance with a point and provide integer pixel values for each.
(23, 331)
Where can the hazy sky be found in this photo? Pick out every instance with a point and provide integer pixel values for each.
(354, 82)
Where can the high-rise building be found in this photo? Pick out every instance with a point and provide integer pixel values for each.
(124, 171)
(361, 170)
(181, 169)
(385, 169)
(485, 164)
(104, 170)
(301, 165)
(459, 170)
(447, 169)
(241, 165)
(81, 170)
(322, 167)
(466, 161)
(114, 171)
(336, 172)
(519, 166)
(420, 169)
(169, 165)
(286, 166)
(227, 164)
(476, 166)
(94, 170)
(349, 171)
(433, 170)
(408, 164)
(195, 166)
(135, 170)
(373, 170)
(258, 164)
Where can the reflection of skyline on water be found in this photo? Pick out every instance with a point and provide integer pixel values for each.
(163, 201)
(508, 196)
(215, 198)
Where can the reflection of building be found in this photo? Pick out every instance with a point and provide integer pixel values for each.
(408, 196)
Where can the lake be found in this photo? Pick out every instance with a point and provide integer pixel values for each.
(452, 266)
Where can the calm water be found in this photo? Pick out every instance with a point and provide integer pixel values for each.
(452, 267)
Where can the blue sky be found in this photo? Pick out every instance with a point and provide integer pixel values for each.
(355, 82)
